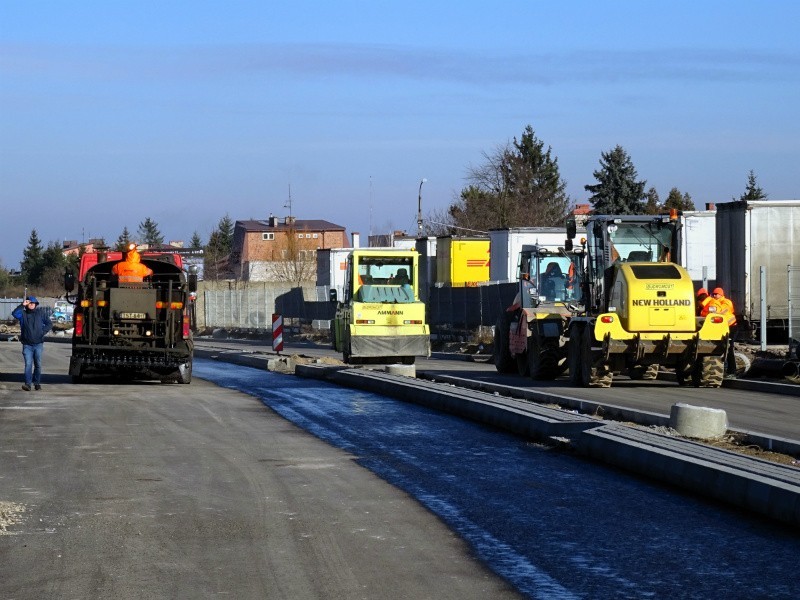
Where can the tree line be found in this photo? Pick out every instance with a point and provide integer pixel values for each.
(519, 185)
(43, 266)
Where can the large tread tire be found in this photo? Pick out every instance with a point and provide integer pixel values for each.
(643, 372)
(593, 375)
(574, 355)
(543, 360)
(684, 373)
(709, 372)
(501, 355)
(522, 364)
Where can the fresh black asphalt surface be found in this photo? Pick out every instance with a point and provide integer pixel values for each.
(552, 524)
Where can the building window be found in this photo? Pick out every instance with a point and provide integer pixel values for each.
(308, 236)
(267, 236)
(315, 236)
(299, 236)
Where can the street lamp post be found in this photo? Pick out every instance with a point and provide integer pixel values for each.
(419, 208)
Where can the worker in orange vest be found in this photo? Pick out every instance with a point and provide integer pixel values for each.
(724, 307)
(131, 270)
(704, 302)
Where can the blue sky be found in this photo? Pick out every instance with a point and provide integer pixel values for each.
(111, 112)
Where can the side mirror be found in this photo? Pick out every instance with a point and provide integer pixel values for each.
(192, 279)
(572, 228)
(332, 296)
(568, 245)
(69, 281)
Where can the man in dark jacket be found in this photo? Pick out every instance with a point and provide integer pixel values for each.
(34, 324)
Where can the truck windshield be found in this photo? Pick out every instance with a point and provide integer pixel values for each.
(558, 278)
(641, 242)
(385, 279)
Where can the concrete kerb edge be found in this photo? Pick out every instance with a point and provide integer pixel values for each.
(779, 500)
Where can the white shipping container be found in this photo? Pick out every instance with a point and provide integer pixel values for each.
(752, 234)
(331, 267)
(699, 244)
(506, 245)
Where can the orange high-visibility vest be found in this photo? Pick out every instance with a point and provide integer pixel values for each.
(725, 308)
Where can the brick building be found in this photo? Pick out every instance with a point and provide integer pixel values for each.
(260, 248)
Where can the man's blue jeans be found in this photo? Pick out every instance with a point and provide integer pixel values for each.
(33, 363)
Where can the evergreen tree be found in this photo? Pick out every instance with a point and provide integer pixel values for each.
(652, 204)
(518, 185)
(225, 229)
(196, 243)
(753, 191)
(54, 263)
(218, 248)
(123, 240)
(617, 191)
(535, 181)
(32, 265)
(149, 234)
(678, 201)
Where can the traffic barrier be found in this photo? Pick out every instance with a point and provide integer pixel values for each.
(277, 333)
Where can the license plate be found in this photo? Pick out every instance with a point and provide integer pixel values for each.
(132, 315)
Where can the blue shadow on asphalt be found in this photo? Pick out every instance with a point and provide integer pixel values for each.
(553, 525)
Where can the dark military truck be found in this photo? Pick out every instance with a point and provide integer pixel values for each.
(134, 330)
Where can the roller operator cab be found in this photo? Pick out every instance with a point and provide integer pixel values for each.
(132, 329)
(530, 335)
(381, 319)
(639, 309)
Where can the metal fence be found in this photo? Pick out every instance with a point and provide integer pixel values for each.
(467, 308)
(251, 306)
(7, 306)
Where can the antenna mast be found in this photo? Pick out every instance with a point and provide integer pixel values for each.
(289, 203)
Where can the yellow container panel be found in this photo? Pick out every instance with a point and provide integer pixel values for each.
(462, 262)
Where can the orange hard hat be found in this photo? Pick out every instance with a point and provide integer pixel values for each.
(719, 291)
(702, 291)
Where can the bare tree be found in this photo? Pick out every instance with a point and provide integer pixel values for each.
(298, 262)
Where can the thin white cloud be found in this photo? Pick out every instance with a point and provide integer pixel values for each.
(366, 62)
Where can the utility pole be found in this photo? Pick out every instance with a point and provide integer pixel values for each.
(419, 208)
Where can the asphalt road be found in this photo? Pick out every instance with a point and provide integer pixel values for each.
(773, 414)
(153, 490)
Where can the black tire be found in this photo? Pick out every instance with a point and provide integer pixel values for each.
(522, 364)
(543, 360)
(407, 360)
(592, 374)
(501, 355)
(709, 372)
(574, 355)
(684, 373)
(644, 372)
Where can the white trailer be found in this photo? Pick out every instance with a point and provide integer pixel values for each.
(331, 268)
(506, 244)
(751, 235)
(699, 244)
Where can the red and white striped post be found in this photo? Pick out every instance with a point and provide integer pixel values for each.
(277, 333)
